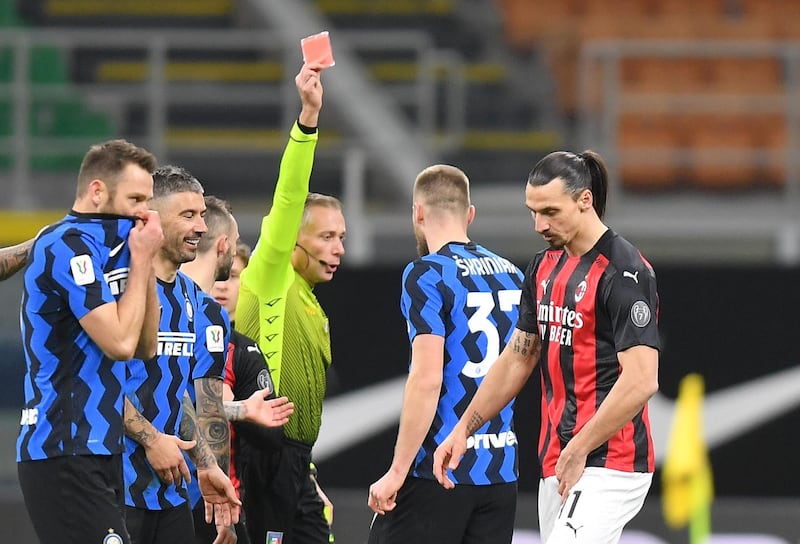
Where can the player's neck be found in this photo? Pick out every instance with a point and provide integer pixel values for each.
(202, 270)
(166, 270)
(438, 236)
(586, 238)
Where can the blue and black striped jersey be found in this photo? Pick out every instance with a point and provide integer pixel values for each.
(73, 392)
(470, 296)
(156, 388)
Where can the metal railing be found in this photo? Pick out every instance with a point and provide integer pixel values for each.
(600, 119)
(157, 93)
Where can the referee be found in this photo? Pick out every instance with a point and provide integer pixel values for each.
(300, 245)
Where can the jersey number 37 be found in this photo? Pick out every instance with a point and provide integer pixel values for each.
(480, 322)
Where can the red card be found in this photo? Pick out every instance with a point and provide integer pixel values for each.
(317, 48)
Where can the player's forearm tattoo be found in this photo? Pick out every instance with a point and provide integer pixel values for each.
(476, 421)
(136, 425)
(211, 420)
(526, 343)
(201, 454)
(235, 410)
(13, 258)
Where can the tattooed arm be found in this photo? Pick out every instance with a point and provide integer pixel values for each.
(13, 258)
(164, 452)
(222, 505)
(501, 384)
(212, 424)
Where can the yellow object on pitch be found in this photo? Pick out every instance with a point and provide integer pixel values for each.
(688, 487)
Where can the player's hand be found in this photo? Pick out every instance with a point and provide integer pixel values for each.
(165, 455)
(221, 502)
(309, 87)
(226, 535)
(147, 235)
(269, 413)
(447, 457)
(569, 469)
(383, 493)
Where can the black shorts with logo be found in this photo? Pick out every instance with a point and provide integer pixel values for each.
(75, 498)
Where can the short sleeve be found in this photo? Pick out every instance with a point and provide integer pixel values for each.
(77, 271)
(421, 301)
(527, 305)
(632, 306)
(213, 334)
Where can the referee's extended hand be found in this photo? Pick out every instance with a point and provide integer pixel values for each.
(447, 457)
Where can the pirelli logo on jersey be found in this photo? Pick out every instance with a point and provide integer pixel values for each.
(556, 323)
(175, 344)
(117, 280)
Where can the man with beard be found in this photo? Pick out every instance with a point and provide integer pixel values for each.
(216, 252)
(89, 304)
(460, 303)
(589, 309)
(159, 405)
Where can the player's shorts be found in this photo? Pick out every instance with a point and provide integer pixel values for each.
(75, 498)
(280, 498)
(206, 533)
(169, 526)
(597, 508)
(428, 513)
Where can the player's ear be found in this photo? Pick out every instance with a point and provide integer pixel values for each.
(96, 190)
(471, 214)
(586, 199)
(222, 244)
(419, 214)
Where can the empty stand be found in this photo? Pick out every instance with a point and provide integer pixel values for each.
(714, 119)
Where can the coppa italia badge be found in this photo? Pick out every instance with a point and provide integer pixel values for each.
(274, 537)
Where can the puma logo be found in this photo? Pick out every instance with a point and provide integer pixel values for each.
(574, 529)
(632, 275)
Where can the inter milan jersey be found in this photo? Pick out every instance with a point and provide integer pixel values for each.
(156, 387)
(213, 328)
(73, 392)
(586, 310)
(470, 296)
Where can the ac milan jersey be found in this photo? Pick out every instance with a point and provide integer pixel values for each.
(470, 296)
(586, 310)
(156, 388)
(73, 392)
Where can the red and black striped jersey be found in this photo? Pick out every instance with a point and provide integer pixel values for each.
(586, 310)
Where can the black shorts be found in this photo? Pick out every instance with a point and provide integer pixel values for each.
(280, 498)
(427, 513)
(169, 526)
(77, 498)
(206, 533)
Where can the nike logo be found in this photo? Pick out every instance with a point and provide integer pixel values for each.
(724, 420)
(634, 276)
(117, 249)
